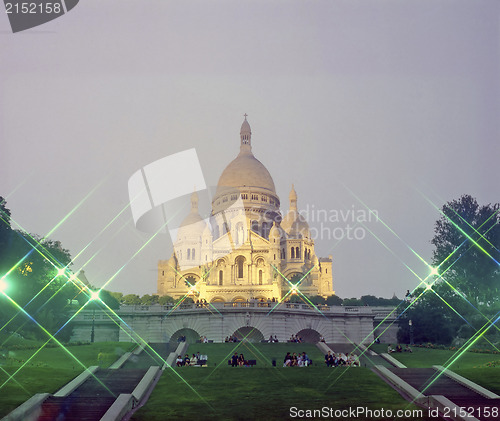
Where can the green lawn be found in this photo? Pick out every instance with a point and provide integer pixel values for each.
(48, 370)
(425, 357)
(220, 392)
(486, 377)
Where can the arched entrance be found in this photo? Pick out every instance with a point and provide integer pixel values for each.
(190, 335)
(217, 300)
(309, 336)
(249, 334)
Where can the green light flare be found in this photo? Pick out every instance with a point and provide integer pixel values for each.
(51, 337)
(3, 285)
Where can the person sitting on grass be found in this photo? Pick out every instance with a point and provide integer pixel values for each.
(329, 360)
(288, 360)
(234, 360)
(178, 361)
(390, 349)
(305, 359)
(186, 360)
(407, 348)
(194, 360)
(399, 348)
(241, 360)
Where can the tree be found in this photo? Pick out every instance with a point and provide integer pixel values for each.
(166, 299)
(352, 302)
(39, 293)
(433, 320)
(334, 300)
(131, 300)
(466, 255)
(5, 234)
(467, 249)
(148, 300)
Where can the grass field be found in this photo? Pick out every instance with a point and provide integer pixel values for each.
(27, 372)
(486, 377)
(221, 392)
(425, 357)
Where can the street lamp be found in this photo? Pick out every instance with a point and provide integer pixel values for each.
(94, 295)
(410, 323)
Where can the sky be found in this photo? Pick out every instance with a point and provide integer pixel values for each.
(386, 105)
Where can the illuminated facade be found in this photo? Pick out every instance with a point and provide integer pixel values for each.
(246, 250)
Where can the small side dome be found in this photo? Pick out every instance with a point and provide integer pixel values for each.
(275, 232)
(193, 224)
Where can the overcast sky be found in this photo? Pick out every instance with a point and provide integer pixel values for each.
(392, 105)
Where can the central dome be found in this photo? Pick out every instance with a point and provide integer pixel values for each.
(245, 170)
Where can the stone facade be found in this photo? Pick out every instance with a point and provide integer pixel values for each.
(246, 250)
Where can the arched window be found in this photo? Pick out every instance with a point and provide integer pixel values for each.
(297, 253)
(239, 263)
(282, 253)
(192, 254)
(189, 254)
(274, 256)
(260, 277)
(255, 226)
(221, 277)
(292, 252)
(265, 230)
(240, 238)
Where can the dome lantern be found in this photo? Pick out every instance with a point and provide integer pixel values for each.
(246, 136)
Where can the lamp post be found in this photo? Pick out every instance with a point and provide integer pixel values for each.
(94, 295)
(93, 325)
(410, 323)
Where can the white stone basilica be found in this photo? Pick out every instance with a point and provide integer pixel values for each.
(246, 250)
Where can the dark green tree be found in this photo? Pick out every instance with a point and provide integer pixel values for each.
(334, 300)
(166, 299)
(131, 300)
(467, 249)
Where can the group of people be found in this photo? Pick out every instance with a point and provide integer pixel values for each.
(295, 339)
(196, 359)
(231, 339)
(398, 348)
(294, 360)
(203, 340)
(272, 339)
(238, 360)
(341, 359)
(201, 303)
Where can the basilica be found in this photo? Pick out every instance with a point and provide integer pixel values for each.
(246, 250)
